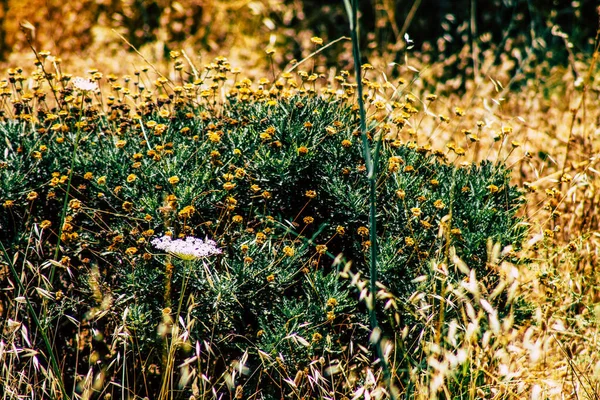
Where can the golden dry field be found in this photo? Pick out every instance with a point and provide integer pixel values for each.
(197, 202)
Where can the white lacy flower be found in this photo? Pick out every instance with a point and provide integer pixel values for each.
(85, 85)
(190, 248)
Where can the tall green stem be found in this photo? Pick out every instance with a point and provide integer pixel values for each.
(371, 161)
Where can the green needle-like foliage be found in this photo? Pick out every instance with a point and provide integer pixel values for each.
(279, 183)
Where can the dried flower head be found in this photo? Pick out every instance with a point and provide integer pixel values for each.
(363, 230)
(32, 196)
(311, 194)
(316, 40)
(288, 251)
(321, 248)
(302, 150)
(416, 211)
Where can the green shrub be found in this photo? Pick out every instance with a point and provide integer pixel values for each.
(278, 181)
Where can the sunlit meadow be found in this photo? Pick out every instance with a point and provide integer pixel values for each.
(176, 227)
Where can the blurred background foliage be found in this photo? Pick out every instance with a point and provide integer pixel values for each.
(242, 29)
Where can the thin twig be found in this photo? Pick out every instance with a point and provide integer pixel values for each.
(314, 53)
(142, 56)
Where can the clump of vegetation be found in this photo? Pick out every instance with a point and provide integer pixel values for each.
(97, 169)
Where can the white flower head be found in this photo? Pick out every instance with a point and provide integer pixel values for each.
(85, 85)
(190, 248)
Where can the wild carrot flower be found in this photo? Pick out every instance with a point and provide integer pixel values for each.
(190, 248)
(85, 85)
